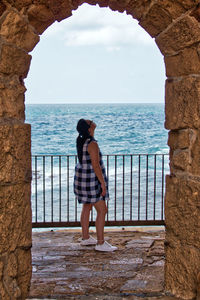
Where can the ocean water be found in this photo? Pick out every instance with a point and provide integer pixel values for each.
(135, 192)
(121, 128)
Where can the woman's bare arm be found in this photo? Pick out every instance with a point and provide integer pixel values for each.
(93, 150)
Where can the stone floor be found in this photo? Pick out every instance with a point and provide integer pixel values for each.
(63, 269)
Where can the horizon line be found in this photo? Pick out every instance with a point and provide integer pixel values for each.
(94, 103)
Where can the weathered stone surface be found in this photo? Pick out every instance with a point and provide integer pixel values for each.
(156, 20)
(2, 8)
(19, 4)
(180, 139)
(61, 9)
(184, 63)
(187, 4)
(12, 98)
(15, 29)
(40, 17)
(24, 271)
(15, 209)
(63, 275)
(181, 268)
(14, 60)
(182, 211)
(137, 9)
(117, 5)
(182, 103)
(103, 3)
(15, 149)
(196, 13)
(195, 155)
(182, 239)
(183, 33)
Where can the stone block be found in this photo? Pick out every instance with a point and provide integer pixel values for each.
(182, 210)
(61, 9)
(184, 63)
(118, 5)
(180, 159)
(181, 269)
(16, 30)
(182, 103)
(103, 3)
(188, 4)
(179, 139)
(195, 156)
(156, 20)
(24, 271)
(14, 60)
(2, 8)
(15, 153)
(19, 4)
(137, 8)
(12, 266)
(12, 98)
(183, 33)
(15, 205)
(40, 17)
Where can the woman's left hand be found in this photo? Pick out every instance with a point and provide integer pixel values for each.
(103, 189)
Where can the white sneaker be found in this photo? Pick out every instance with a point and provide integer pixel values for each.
(88, 242)
(105, 247)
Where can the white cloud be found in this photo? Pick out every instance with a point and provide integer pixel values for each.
(91, 26)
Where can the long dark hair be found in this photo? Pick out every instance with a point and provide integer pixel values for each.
(82, 128)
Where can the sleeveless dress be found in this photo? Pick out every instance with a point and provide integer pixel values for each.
(87, 187)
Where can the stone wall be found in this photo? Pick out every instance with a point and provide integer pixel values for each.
(176, 29)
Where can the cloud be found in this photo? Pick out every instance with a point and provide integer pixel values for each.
(94, 26)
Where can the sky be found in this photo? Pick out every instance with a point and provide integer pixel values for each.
(96, 56)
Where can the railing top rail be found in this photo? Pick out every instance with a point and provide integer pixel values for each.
(72, 155)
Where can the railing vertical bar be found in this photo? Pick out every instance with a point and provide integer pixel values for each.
(115, 210)
(131, 188)
(36, 195)
(147, 182)
(108, 185)
(123, 182)
(51, 188)
(154, 193)
(76, 160)
(44, 204)
(60, 200)
(139, 166)
(68, 188)
(162, 196)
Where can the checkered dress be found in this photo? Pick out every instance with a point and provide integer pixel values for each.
(87, 187)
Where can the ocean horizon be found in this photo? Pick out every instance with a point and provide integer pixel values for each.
(121, 127)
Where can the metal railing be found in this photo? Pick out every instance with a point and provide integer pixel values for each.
(136, 187)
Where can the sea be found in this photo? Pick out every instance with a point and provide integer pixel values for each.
(131, 131)
(121, 128)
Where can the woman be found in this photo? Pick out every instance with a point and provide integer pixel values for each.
(90, 184)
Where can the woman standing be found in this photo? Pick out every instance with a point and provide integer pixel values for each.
(91, 185)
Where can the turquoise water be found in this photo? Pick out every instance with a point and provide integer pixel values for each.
(121, 128)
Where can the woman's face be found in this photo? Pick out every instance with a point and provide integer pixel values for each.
(92, 124)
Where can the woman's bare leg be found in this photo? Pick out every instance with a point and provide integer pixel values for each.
(101, 209)
(85, 216)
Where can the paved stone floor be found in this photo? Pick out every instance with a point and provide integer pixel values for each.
(63, 269)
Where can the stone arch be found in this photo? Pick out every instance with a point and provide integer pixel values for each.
(175, 27)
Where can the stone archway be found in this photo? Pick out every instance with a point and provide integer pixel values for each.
(176, 29)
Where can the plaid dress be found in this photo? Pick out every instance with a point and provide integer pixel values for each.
(87, 187)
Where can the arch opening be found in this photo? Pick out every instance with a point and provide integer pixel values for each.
(175, 27)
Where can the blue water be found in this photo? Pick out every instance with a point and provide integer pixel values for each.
(121, 128)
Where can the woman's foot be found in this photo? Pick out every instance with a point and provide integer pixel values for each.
(105, 247)
(88, 242)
